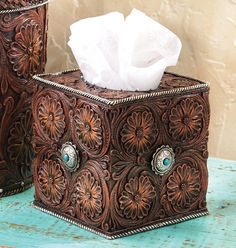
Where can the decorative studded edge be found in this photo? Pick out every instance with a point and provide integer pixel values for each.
(39, 78)
(33, 6)
(173, 220)
(14, 191)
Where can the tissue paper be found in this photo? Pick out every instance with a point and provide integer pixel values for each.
(120, 53)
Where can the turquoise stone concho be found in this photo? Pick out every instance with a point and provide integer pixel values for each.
(70, 156)
(163, 160)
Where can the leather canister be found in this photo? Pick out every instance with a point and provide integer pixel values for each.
(23, 36)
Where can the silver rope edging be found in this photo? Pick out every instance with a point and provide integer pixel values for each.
(16, 190)
(125, 233)
(39, 78)
(33, 6)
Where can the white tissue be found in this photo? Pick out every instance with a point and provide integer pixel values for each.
(123, 54)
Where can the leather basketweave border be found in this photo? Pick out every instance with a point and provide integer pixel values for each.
(29, 7)
(176, 91)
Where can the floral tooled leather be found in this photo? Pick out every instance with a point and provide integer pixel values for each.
(89, 127)
(183, 186)
(26, 50)
(88, 195)
(51, 181)
(137, 134)
(136, 199)
(51, 117)
(23, 53)
(114, 189)
(186, 120)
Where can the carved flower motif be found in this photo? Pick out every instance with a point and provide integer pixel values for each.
(139, 132)
(136, 199)
(25, 52)
(88, 126)
(51, 117)
(52, 181)
(88, 195)
(186, 120)
(19, 143)
(183, 186)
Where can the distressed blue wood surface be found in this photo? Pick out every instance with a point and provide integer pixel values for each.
(23, 226)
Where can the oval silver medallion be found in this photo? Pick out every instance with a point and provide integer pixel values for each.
(163, 160)
(70, 156)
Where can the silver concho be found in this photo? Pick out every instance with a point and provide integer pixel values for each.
(163, 160)
(70, 156)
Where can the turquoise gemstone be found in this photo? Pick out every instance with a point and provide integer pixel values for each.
(66, 157)
(166, 161)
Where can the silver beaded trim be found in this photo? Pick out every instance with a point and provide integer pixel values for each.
(118, 101)
(126, 233)
(33, 6)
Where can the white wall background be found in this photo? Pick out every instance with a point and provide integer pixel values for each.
(208, 32)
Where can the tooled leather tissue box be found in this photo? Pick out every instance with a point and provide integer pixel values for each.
(120, 162)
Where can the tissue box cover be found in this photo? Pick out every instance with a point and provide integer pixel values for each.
(116, 162)
(23, 26)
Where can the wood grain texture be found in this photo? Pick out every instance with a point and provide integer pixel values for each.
(32, 228)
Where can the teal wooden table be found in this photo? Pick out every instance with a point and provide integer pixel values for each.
(23, 226)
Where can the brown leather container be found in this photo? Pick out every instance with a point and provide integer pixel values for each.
(23, 26)
(115, 162)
